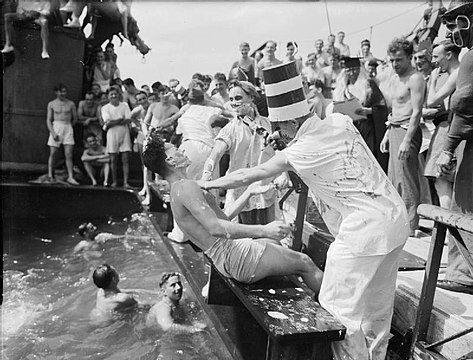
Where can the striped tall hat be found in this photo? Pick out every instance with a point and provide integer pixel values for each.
(284, 92)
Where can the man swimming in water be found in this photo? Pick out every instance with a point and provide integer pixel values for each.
(109, 297)
(243, 252)
(167, 311)
(88, 231)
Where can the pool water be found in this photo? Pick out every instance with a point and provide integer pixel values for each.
(48, 295)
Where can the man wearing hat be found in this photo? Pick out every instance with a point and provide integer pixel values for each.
(459, 22)
(358, 203)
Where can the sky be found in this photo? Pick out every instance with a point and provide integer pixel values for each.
(195, 36)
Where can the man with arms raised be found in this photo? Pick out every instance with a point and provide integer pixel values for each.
(403, 137)
(243, 252)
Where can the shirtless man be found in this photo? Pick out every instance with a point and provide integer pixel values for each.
(445, 56)
(88, 231)
(243, 252)
(87, 115)
(167, 311)
(61, 116)
(269, 58)
(244, 68)
(95, 156)
(403, 137)
(160, 111)
(109, 296)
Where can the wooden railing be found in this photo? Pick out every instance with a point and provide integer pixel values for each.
(453, 221)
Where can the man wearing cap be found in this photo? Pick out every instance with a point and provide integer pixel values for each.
(361, 208)
(403, 137)
(459, 21)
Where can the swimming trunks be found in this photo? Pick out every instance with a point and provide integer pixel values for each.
(237, 259)
(65, 133)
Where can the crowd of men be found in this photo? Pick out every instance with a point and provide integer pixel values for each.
(416, 107)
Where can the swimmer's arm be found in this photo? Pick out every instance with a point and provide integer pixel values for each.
(124, 299)
(149, 115)
(436, 99)
(162, 315)
(242, 177)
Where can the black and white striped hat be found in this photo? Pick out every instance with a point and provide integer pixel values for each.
(284, 92)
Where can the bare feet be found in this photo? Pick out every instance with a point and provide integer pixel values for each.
(114, 185)
(45, 55)
(142, 192)
(72, 181)
(126, 186)
(7, 49)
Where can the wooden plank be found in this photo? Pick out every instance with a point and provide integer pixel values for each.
(429, 284)
(286, 312)
(452, 312)
(446, 217)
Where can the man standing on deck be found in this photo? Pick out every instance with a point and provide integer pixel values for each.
(61, 117)
(364, 213)
(269, 58)
(403, 137)
(459, 22)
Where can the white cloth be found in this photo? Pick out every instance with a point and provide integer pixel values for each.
(369, 222)
(359, 291)
(194, 124)
(355, 198)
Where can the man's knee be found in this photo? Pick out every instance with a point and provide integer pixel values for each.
(306, 262)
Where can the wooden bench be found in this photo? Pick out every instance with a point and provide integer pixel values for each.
(296, 325)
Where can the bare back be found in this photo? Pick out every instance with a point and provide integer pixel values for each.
(186, 221)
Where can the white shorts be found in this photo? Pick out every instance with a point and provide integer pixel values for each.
(118, 139)
(65, 133)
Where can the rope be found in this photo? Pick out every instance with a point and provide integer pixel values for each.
(328, 18)
(388, 19)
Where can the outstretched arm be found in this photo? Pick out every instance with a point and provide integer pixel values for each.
(275, 166)
(217, 152)
(192, 198)
(254, 189)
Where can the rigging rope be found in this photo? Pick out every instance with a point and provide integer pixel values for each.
(388, 19)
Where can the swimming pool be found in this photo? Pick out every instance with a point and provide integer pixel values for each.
(48, 294)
